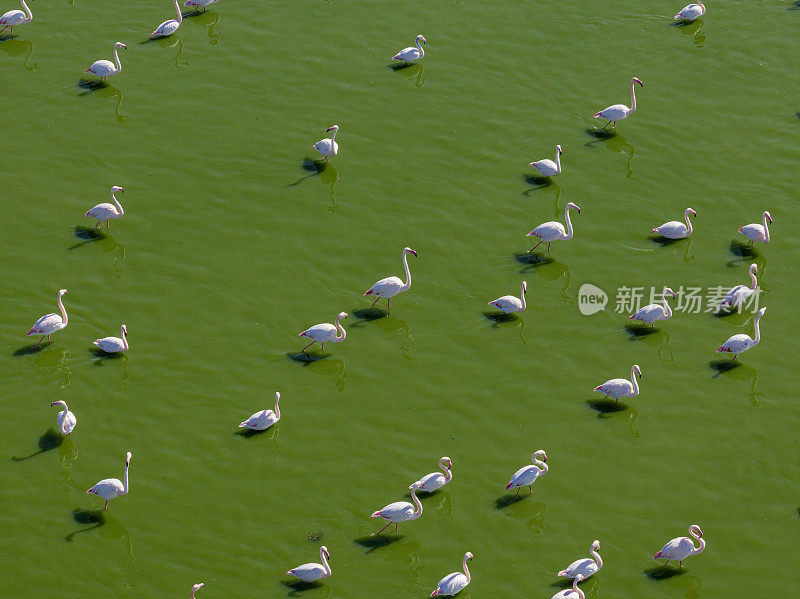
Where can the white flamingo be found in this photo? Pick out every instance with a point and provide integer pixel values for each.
(199, 585)
(169, 27)
(391, 286)
(757, 232)
(261, 421)
(554, 230)
(13, 18)
(311, 572)
(325, 332)
(509, 303)
(105, 68)
(585, 567)
(737, 344)
(680, 548)
(114, 345)
(690, 12)
(66, 420)
(675, 229)
(50, 323)
(739, 294)
(328, 147)
(652, 312)
(573, 593)
(527, 475)
(547, 167)
(105, 211)
(436, 480)
(109, 488)
(412, 53)
(400, 511)
(617, 112)
(199, 3)
(617, 388)
(455, 582)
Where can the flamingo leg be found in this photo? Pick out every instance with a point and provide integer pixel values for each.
(388, 307)
(681, 563)
(97, 225)
(40, 340)
(607, 124)
(106, 505)
(384, 528)
(548, 246)
(48, 338)
(530, 488)
(323, 346)
(307, 346)
(3, 29)
(536, 246)
(376, 301)
(107, 223)
(517, 491)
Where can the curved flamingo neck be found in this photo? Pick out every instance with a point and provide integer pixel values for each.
(766, 228)
(753, 280)
(702, 6)
(667, 309)
(277, 410)
(114, 198)
(558, 162)
(696, 550)
(340, 328)
(522, 296)
(124, 339)
(180, 15)
(542, 466)
(597, 558)
(758, 333)
(125, 482)
(569, 224)
(407, 284)
(577, 590)
(118, 63)
(192, 594)
(633, 98)
(27, 11)
(418, 510)
(64, 317)
(325, 563)
(634, 382)
(447, 474)
(688, 222)
(466, 570)
(419, 47)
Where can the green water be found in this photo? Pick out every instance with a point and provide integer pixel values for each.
(231, 244)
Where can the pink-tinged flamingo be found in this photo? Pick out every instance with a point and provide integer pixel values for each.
(554, 230)
(66, 420)
(680, 548)
(585, 567)
(261, 421)
(412, 53)
(114, 345)
(325, 332)
(312, 572)
(652, 312)
(197, 586)
(199, 3)
(13, 18)
(617, 388)
(436, 480)
(509, 303)
(105, 211)
(757, 232)
(105, 68)
(737, 344)
(690, 12)
(400, 511)
(50, 323)
(328, 147)
(169, 27)
(573, 593)
(617, 112)
(391, 286)
(455, 582)
(739, 294)
(527, 475)
(109, 488)
(675, 229)
(547, 167)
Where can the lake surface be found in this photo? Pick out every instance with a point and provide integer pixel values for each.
(234, 240)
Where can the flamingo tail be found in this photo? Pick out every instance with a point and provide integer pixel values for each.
(376, 514)
(436, 592)
(631, 317)
(657, 555)
(303, 334)
(508, 486)
(32, 332)
(563, 573)
(598, 387)
(369, 292)
(597, 114)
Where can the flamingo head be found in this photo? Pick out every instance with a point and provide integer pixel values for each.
(469, 555)
(128, 458)
(691, 211)
(637, 370)
(325, 552)
(124, 329)
(572, 206)
(446, 462)
(696, 530)
(408, 250)
(668, 290)
(343, 315)
(120, 45)
(277, 395)
(421, 38)
(596, 545)
(637, 80)
(753, 268)
(415, 486)
(198, 586)
(524, 286)
(762, 310)
(333, 128)
(541, 455)
(769, 218)
(117, 188)
(558, 149)
(61, 292)
(58, 403)
(579, 578)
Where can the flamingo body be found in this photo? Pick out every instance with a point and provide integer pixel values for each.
(509, 303)
(690, 12)
(105, 68)
(585, 567)
(328, 147)
(114, 345)
(312, 572)
(547, 167)
(738, 295)
(617, 388)
(436, 480)
(264, 419)
(653, 312)
(412, 53)
(757, 232)
(391, 286)
(50, 323)
(573, 593)
(554, 230)
(527, 475)
(680, 548)
(674, 229)
(737, 344)
(454, 582)
(109, 488)
(66, 420)
(13, 18)
(617, 112)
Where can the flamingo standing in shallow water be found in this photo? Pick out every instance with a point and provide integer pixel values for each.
(199, 3)
(527, 475)
(741, 342)
(50, 323)
(617, 388)
(325, 333)
(554, 230)
(109, 488)
(436, 480)
(114, 345)
(690, 12)
(412, 53)
(391, 286)
(13, 18)
(509, 303)
(199, 585)
(739, 294)
(105, 211)
(680, 548)
(757, 232)
(400, 511)
(617, 112)
(105, 68)
(547, 167)
(455, 582)
(573, 593)
(261, 421)
(312, 572)
(652, 312)
(328, 147)
(169, 27)
(674, 229)
(66, 420)
(585, 567)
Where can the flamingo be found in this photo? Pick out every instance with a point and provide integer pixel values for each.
(737, 344)
(199, 585)
(690, 12)
(105, 68)
(261, 421)
(755, 232)
(312, 572)
(455, 582)
(111, 487)
(652, 312)
(436, 480)
(400, 511)
(554, 230)
(674, 229)
(66, 420)
(105, 211)
(509, 303)
(114, 345)
(680, 548)
(169, 27)
(328, 147)
(739, 294)
(13, 18)
(547, 167)
(412, 53)
(325, 332)
(585, 567)
(617, 112)
(573, 593)
(391, 286)
(50, 323)
(617, 388)
(200, 3)
(527, 475)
